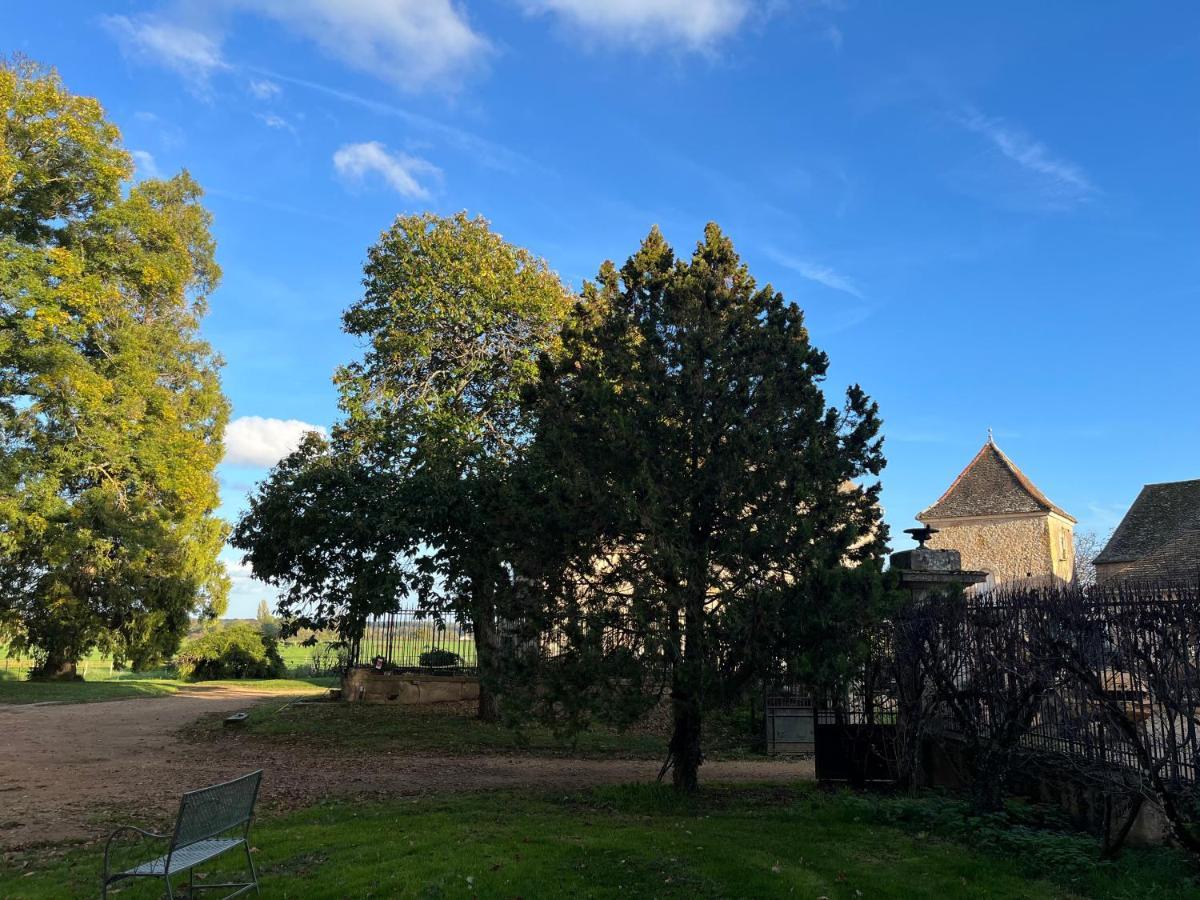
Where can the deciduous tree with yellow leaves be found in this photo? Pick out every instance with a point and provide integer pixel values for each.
(111, 410)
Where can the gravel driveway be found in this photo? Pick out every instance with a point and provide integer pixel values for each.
(70, 771)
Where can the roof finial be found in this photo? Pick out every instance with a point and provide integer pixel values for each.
(991, 440)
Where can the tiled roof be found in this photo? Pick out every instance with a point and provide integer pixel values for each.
(990, 485)
(1161, 531)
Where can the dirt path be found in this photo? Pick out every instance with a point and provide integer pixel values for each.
(73, 771)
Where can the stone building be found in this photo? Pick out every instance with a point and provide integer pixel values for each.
(1001, 523)
(1159, 536)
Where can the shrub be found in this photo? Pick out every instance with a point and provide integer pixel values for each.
(1039, 837)
(440, 659)
(239, 650)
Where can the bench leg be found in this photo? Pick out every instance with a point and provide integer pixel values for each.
(250, 864)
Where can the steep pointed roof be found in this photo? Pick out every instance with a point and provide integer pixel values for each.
(990, 485)
(1161, 530)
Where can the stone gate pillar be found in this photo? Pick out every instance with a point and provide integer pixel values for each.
(924, 573)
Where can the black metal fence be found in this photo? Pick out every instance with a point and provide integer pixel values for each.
(1102, 677)
(413, 640)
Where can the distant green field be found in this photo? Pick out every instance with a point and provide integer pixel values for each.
(92, 669)
(17, 690)
(98, 667)
(406, 649)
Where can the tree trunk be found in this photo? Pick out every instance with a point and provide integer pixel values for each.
(989, 783)
(686, 695)
(1114, 843)
(486, 649)
(59, 666)
(685, 740)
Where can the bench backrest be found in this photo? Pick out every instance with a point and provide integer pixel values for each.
(210, 811)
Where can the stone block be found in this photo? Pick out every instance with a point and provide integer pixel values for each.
(366, 685)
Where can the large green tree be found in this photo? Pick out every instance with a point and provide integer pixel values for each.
(111, 411)
(409, 496)
(697, 515)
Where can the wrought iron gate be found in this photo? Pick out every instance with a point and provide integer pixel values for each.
(790, 720)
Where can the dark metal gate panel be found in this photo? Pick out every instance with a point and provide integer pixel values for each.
(854, 753)
(790, 719)
(791, 729)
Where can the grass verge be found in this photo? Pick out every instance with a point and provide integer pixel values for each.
(19, 690)
(442, 729)
(633, 841)
(454, 729)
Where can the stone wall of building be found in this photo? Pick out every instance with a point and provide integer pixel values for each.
(1009, 548)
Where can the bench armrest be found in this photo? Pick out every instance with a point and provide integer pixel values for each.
(124, 828)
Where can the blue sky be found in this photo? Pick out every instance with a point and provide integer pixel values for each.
(990, 213)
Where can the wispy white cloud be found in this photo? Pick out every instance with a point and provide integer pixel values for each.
(412, 44)
(193, 54)
(264, 88)
(817, 272)
(1064, 180)
(260, 441)
(482, 150)
(276, 206)
(1105, 516)
(271, 120)
(356, 161)
(691, 24)
(146, 166)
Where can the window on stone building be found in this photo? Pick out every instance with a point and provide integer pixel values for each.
(1062, 544)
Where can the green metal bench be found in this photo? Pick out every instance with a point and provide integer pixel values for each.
(208, 825)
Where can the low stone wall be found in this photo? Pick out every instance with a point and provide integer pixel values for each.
(366, 685)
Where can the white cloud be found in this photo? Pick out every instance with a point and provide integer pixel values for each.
(356, 161)
(193, 54)
(264, 89)
(694, 24)
(146, 166)
(413, 44)
(271, 120)
(818, 272)
(1063, 179)
(259, 441)
(244, 589)
(484, 151)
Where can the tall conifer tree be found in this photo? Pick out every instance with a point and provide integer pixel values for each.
(697, 514)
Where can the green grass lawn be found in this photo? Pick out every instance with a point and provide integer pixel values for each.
(453, 729)
(444, 729)
(636, 841)
(19, 690)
